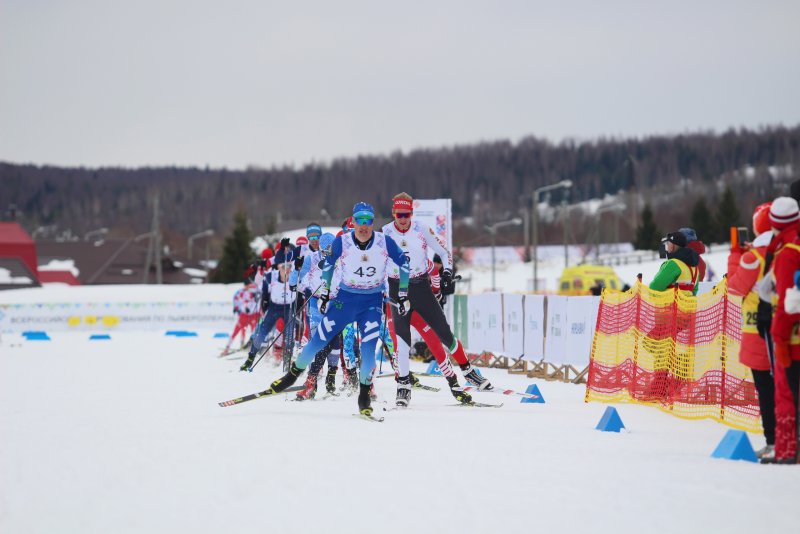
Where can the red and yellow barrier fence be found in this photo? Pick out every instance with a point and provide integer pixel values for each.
(676, 352)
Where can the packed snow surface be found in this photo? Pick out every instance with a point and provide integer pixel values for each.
(126, 436)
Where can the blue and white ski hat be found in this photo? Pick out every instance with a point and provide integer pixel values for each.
(362, 209)
(313, 229)
(326, 241)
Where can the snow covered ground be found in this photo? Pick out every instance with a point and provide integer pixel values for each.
(126, 436)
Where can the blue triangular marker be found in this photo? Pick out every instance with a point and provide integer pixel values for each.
(186, 333)
(37, 336)
(433, 369)
(735, 445)
(533, 389)
(221, 335)
(610, 422)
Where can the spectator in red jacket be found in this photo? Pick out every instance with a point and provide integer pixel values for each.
(785, 247)
(746, 268)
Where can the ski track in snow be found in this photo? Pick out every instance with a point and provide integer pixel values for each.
(126, 436)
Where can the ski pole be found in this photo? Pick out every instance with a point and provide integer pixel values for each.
(285, 327)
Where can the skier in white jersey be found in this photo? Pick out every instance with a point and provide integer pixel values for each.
(279, 291)
(311, 281)
(363, 257)
(415, 238)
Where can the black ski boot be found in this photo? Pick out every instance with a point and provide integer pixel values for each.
(364, 402)
(248, 362)
(403, 391)
(286, 380)
(457, 391)
(330, 381)
(474, 377)
(413, 380)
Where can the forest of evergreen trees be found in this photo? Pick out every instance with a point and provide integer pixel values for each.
(487, 181)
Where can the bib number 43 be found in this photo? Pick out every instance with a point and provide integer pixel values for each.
(370, 272)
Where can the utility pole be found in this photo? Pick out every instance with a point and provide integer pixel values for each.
(154, 246)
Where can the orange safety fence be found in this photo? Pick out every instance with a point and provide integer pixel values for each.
(674, 351)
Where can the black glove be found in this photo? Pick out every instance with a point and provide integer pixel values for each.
(448, 287)
(293, 288)
(264, 305)
(298, 263)
(763, 317)
(402, 305)
(300, 300)
(285, 243)
(235, 311)
(324, 297)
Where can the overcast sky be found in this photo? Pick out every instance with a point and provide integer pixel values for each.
(254, 82)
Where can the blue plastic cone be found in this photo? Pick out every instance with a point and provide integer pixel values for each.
(433, 369)
(735, 445)
(533, 389)
(611, 421)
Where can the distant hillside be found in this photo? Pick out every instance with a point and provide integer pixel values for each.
(487, 181)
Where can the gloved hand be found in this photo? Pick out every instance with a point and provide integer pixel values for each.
(298, 263)
(447, 285)
(323, 299)
(300, 300)
(285, 243)
(264, 305)
(235, 311)
(763, 317)
(403, 306)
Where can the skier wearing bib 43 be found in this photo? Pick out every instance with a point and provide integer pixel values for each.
(363, 257)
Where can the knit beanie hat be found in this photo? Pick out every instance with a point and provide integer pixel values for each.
(761, 222)
(784, 213)
(677, 238)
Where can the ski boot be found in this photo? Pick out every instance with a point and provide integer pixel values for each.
(414, 381)
(286, 380)
(364, 402)
(330, 381)
(248, 362)
(403, 391)
(474, 377)
(457, 391)
(766, 452)
(310, 390)
(352, 381)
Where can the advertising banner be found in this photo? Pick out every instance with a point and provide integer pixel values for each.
(533, 339)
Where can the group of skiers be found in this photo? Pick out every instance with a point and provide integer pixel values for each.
(766, 274)
(360, 289)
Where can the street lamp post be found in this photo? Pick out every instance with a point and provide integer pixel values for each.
(603, 209)
(565, 184)
(206, 233)
(492, 229)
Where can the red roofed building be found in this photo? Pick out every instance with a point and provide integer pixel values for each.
(17, 256)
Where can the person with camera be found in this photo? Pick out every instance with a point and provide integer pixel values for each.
(747, 265)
